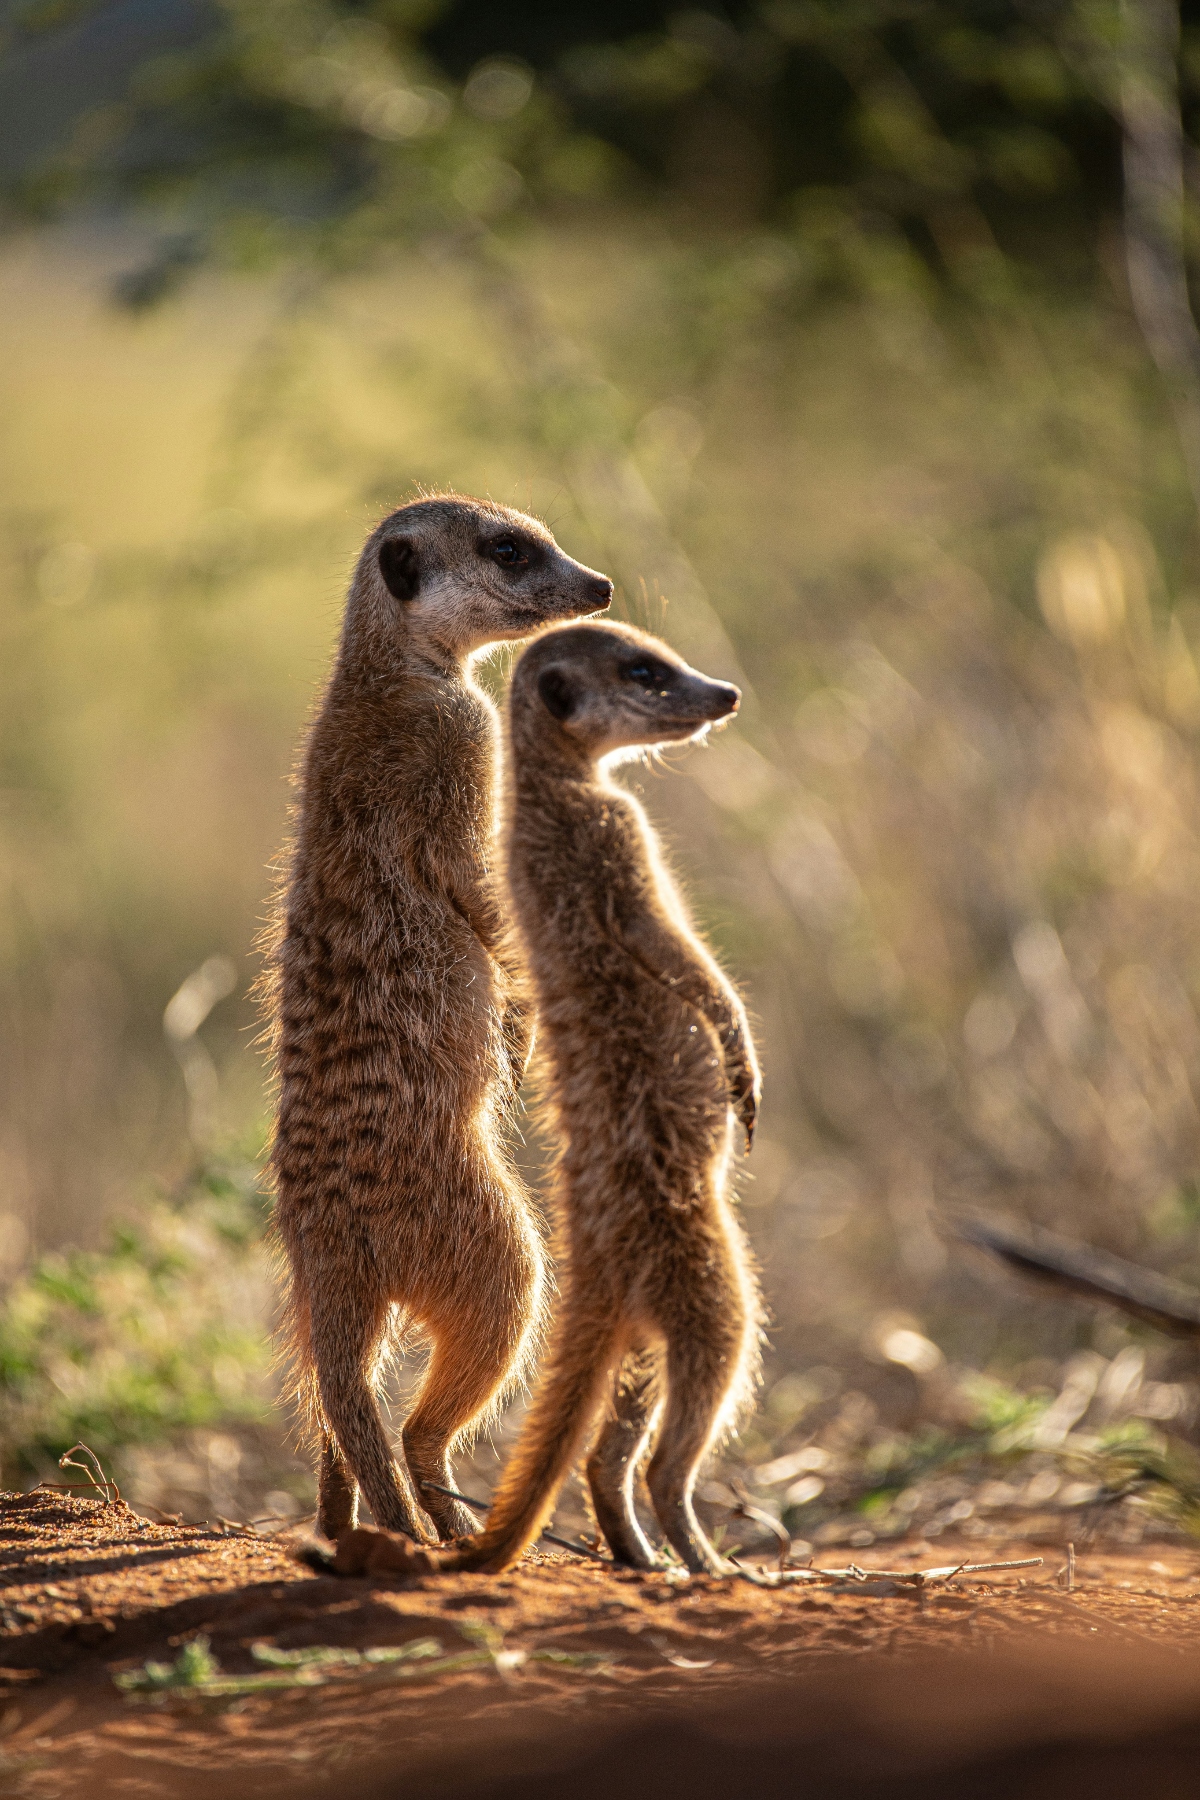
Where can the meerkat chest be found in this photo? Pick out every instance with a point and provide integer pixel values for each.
(395, 850)
(437, 790)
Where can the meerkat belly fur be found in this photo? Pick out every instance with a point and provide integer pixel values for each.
(649, 1062)
(400, 1033)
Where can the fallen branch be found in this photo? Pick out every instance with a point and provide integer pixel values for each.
(868, 1581)
(1168, 1305)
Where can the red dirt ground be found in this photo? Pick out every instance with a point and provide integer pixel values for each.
(703, 1678)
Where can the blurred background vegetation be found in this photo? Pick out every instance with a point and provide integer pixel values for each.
(854, 340)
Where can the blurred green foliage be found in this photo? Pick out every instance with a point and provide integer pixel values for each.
(999, 1454)
(156, 1333)
(882, 138)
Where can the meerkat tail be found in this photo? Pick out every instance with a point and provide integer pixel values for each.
(564, 1405)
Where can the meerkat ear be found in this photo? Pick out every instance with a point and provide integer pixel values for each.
(399, 568)
(556, 693)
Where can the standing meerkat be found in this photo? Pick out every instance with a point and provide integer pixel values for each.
(649, 1059)
(399, 1030)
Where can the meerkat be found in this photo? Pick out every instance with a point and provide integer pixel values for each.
(649, 1060)
(400, 1032)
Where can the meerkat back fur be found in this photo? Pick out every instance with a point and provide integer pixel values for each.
(399, 1028)
(648, 1061)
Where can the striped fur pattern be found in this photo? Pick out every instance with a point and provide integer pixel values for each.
(399, 1026)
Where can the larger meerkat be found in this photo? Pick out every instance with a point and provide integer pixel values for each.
(399, 1030)
(649, 1061)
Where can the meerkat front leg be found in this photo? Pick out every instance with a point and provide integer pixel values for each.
(612, 1466)
(478, 906)
(659, 951)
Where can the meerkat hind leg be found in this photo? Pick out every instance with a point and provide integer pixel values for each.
(701, 1366)
(337, 1491)
(464, 1373)
(346, 1340)
(586, 1350)
(474, 1355)
(612, 1466)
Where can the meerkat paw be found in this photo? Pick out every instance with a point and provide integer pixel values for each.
(366, 1550)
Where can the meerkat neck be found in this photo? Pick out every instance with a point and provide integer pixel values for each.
(426, 656)
(541, 757)
(383, 667)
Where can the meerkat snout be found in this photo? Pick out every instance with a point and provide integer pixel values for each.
(726, 697)
(610, 687)
(458, 574)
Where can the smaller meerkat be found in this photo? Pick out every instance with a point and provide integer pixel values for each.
(649, 1059)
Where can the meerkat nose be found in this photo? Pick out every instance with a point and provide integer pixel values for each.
(725, 691)
(603, 590)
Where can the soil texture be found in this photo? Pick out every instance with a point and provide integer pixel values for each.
(567, 1676)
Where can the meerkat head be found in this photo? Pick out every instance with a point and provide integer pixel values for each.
(606, 688)
(456, 574)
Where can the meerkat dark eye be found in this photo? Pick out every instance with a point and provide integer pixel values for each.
(652, 676)
(508, 553)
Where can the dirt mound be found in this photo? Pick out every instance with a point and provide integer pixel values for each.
(174, 1660)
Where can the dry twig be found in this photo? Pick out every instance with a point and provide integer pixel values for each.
(745, 1509)
(868, 1581)
(100, 1481)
